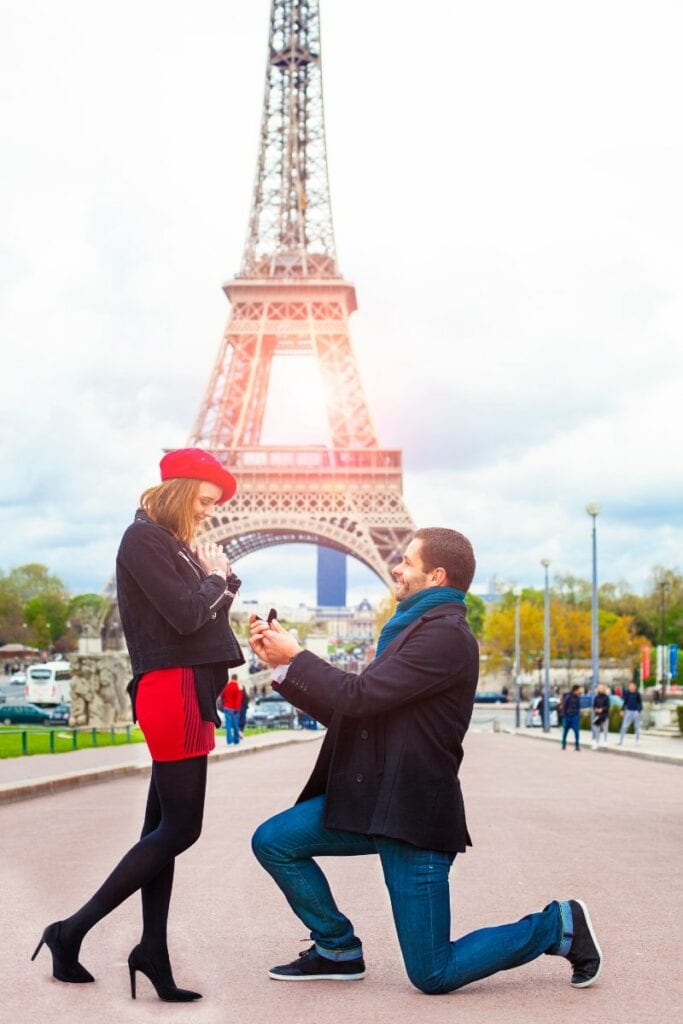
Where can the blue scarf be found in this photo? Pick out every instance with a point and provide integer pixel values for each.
(412, 608)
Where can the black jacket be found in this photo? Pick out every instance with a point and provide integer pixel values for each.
(601, 703)
(633, 701)
(172, 613)
(389, 762)
(571, 704)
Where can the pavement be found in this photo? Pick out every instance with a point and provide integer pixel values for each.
(545, 825)
(663, 746)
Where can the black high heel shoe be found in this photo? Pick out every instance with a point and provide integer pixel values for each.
(64, 968)
(161, 977)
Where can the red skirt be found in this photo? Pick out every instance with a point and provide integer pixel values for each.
(167, 711)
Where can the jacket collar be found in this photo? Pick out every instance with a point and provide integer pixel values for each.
(440, 612)
(142, 517)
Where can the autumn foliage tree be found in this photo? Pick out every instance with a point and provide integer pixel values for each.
(570, 630)
(498, 639)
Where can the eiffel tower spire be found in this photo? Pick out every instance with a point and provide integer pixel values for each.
(289, 299)
(290, 228)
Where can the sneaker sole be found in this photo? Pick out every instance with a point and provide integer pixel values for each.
(591, 981)
(316, 977)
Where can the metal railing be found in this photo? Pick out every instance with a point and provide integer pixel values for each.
(110, 731)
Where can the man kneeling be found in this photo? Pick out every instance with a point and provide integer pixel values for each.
(386, 782)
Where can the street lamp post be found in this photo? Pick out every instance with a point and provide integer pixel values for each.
(663, 587)
(545, 562)
(517, 591)
(593, 509)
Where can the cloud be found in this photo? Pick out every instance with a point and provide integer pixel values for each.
(514, 229)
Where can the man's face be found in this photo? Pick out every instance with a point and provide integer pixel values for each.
(410, 574)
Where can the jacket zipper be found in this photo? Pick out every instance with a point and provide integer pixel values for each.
(220, 598)
(193, 565)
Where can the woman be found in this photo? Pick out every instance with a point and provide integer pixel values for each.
(173, 603)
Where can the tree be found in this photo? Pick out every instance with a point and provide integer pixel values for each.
(570, 632)
(619, 639)
(573, 590)
(499, 633)
(12, 625)
(658, 614)
(476, 613)
(32, 606)
(385, 609)
(570, 635)
(46, 618)
(31, 580)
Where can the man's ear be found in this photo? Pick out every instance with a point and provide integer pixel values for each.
(440, 578)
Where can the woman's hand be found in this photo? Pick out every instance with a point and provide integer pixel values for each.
(271, 643)
(213, 558)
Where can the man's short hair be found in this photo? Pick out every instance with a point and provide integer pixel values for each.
(448, 550)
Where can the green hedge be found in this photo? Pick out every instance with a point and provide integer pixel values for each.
(679, 712)
(615, 719)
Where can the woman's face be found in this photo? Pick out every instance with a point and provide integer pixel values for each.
(204, 504)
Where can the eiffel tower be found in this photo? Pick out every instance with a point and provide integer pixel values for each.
(290, 298)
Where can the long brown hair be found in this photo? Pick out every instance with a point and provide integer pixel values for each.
(170, 505)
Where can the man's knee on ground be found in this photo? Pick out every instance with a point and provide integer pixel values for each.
(430, 981)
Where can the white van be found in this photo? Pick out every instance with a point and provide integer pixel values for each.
(49, 683)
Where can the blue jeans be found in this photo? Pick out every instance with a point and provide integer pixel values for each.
(570, 722)
(232, 725)
(417, 881)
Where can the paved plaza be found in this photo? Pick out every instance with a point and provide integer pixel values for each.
(545, 824)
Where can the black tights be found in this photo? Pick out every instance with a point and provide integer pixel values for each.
(173, 822)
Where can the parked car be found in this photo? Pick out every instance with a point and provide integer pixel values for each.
(272, 712)
(490, 697)
(61, 714)
(25, 714)
(18, 679)
(534, 712)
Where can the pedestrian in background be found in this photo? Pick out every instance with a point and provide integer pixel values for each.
(633, 705)
(601, 705)
(243, 711)
(173, 595)
(232, 704)
(571, 710)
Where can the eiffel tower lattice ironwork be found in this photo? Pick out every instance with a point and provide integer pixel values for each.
(290, 297)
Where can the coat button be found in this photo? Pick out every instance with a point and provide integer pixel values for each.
(364, 734)
(360, 777)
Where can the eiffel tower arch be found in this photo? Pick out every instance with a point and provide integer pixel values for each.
(289, 298)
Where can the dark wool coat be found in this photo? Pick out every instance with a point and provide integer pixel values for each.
(172, 613)
(390, 760)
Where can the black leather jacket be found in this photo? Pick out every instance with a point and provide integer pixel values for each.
(172, 613)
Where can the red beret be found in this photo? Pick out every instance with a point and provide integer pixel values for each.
(196, 464)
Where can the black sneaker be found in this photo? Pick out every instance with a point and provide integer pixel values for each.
(310, 966)
(584, 954)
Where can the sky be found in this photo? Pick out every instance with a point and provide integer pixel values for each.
(506, 192)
